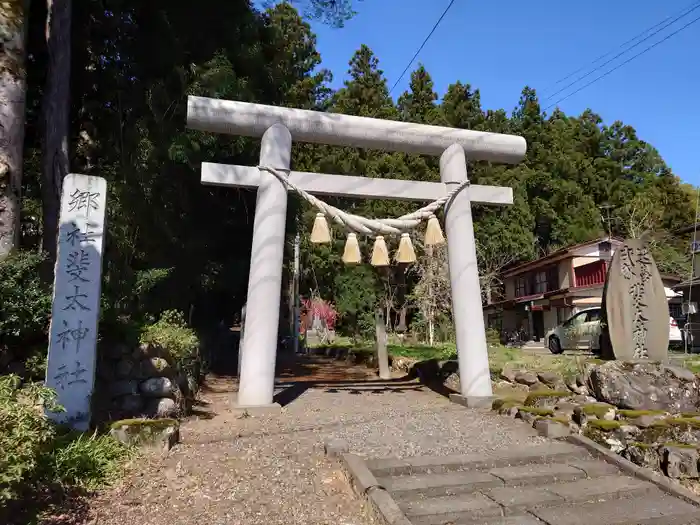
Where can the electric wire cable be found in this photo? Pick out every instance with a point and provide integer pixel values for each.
(435, 26)
(600, 77)
(601, 66)
(582, 68)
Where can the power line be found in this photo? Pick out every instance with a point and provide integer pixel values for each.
(697, 5)
(625, 62)
(613, 50)
(422, 45)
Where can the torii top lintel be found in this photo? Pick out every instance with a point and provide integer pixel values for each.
(251, 120)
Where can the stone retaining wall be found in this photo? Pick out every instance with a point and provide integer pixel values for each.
(141, 381)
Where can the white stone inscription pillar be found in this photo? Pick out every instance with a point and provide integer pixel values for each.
(76, 297)
(467, 313)
(257, 376)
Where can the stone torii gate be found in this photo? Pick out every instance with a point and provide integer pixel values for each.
(278, 126)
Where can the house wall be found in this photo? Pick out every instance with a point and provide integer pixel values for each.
(509, 285)
(565, 273)
(511, 318)
(550, 319)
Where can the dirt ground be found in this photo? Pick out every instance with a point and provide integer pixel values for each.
(269, 468)
(203, 480)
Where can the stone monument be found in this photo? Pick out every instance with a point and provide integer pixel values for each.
(76, 297)
(635, 305)
(277, 127)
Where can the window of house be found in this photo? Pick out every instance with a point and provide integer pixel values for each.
(520, 287)
(552, 278)
(541, 282)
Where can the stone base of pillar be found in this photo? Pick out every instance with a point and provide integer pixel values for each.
(472, 401)
(258, 410)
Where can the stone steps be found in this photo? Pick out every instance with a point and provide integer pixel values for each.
(554, 484)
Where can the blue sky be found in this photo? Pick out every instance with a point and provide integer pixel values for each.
(502, 45)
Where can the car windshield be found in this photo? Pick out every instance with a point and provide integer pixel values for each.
(583, 317)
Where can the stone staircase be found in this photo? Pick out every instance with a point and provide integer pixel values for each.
(555, 484)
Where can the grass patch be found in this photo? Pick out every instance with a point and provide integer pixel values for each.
(678, 422)
(631, 414)
(639, 444)
(679, 445)
(419, 352)
(533, 397)
(567, 366)
(596, 409)
(602, 424)
(86, 461)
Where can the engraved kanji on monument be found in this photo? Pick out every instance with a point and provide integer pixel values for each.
(76, 297)
(636, 308)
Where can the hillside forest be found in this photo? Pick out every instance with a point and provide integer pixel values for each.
(174, 244)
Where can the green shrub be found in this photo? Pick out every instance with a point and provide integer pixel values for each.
(171, 333)
(36, 453)
(85, 461)
(493, 337)
(25, 303)
(25, 433)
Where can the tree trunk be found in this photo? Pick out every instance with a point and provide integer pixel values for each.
(13, 83)
(56, 113)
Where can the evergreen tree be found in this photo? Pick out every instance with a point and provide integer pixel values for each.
(461, 108)
(418, 104)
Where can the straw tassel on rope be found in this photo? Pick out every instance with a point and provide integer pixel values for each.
(405, 254)
(433, 232)
(320, 233)
(380, 254)
(351, 254)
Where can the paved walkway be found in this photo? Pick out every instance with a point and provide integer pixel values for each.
(271, 469)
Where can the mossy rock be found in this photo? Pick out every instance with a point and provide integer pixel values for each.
(678, 422)
(643, 445)
(632, 414)
(604, 425)
(139, 423)
(537, 411)
(596, 409)
(158, 432)
(679, 445)
(534, 397)
(504, 402)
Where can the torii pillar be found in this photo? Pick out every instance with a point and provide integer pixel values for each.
(278, 126)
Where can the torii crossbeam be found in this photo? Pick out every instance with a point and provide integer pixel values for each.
(277, 127)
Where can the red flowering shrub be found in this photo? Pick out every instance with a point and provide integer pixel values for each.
(317, 307)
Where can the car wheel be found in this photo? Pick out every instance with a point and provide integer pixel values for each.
(555, 345)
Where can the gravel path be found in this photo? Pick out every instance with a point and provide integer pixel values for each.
(270, 469)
